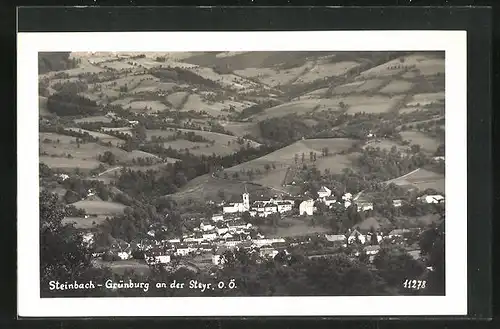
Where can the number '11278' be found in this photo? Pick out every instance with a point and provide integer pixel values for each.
(414, 284)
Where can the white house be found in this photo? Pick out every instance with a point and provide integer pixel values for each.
(336, 238)
(63, 177)
(284, 206)
(124, 255)
(353, 235)
(183, 250)
(372, 250)
(218, 217)
(324, 192)
(209, 236)
(347, 197)
(307, 207)
(397, 203)
(364, 206)
(398, 233)
(431, 198)
(88, 239)
(218, 257)
(227, 236)
(162, 259)
(264, 242)
(173, 241)
(206, 226)
(268, 252)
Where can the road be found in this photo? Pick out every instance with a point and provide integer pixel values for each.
(109, 170)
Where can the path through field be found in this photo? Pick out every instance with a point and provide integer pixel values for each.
(105, 172)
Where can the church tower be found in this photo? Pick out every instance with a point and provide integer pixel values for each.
(246, 200)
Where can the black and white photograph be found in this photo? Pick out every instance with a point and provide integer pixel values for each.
(243, 165)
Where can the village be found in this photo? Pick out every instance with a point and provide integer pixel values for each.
(206, 245)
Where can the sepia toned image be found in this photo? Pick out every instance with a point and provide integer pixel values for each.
(241, 173)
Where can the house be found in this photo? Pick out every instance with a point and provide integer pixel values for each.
(397, 203)
(174, 241)
(227, 236)
(209, 236)
(221, 228)
(124, 255)
(183, 250)
(364, 205)
(218, 257)
(238, 225)
(307, 207)
(431, 198)
(372, 250)
(324, 192)
(88, 239)
(336, 239)
(133, 123)
(398, 233)
(283, 207)
(268, 253)
(263, 242)
(206, 226)
(63, 176)
(356, 235)
(217, 217)
(347, 198)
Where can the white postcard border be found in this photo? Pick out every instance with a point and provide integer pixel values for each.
(452, 42)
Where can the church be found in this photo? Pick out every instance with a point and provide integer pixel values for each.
(239, 206)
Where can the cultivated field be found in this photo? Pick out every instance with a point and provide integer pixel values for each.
(427, 144)
(68, 164)
(84, 223)
(146, 106)
(335, 163)
(176, 99)
(196, 103)
(242, 128)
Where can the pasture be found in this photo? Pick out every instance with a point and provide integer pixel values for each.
(397, 87)
(147, 106)
(100, 207)
(242, 128)
(123, 130)
(421, 179)
(385, 144)
(196, 103)
(102, 137)
(84, 223)
(68, 164)
(426, 99)
(427, 144)
(335, 163)
(325, 70)
(427, 65)
(370, 104)
(119, 267)
(362, 86)
(177, 98)
(98, 118)
(299, 107)
(230, 81)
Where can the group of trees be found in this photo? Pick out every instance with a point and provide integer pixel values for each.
(284, 130)
(68, 103)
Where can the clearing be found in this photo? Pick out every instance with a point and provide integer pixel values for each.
(371, 104)
(397, 87)
(426, 99)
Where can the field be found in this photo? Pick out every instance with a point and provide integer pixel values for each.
(176, 99)
(397, 87)
(206, 187)
(139, 267)
(358, 86)
(67, 164)
(421, 179)
(230, 81)
(325, 70)
(335, 163)
(370, 104)
(102, 137)
(153, 86)
(318, 93)
(426, 99)
(100, 207)
(196, 103)
(242, 128)
(123, 130)
(290, 227)
(426, 64)
(299, 107)
(84, 223)
(385, 144)
(427, 144)
(146, 106)
(99, 118)
(42, 106)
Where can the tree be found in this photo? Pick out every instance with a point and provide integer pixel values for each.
(303, 157)
(296, 158)
(267, 167)
(373, 237)
(415, 148)
(63, 256)
(311, 156)
(395, 265)
(432, 244)
(274, 166)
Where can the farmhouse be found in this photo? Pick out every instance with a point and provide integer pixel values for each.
(372, 250)
(206, 226)
(209, 236)
(336, 239)
(284, 206)
(431, 198)
(307, 207)
(183, 250)
(355, 235)
(397, 203)
(218, 217)
(364, 205)
(398, 233)
(268, 253)
(324, 192)
(264, 242)
(218, 257)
